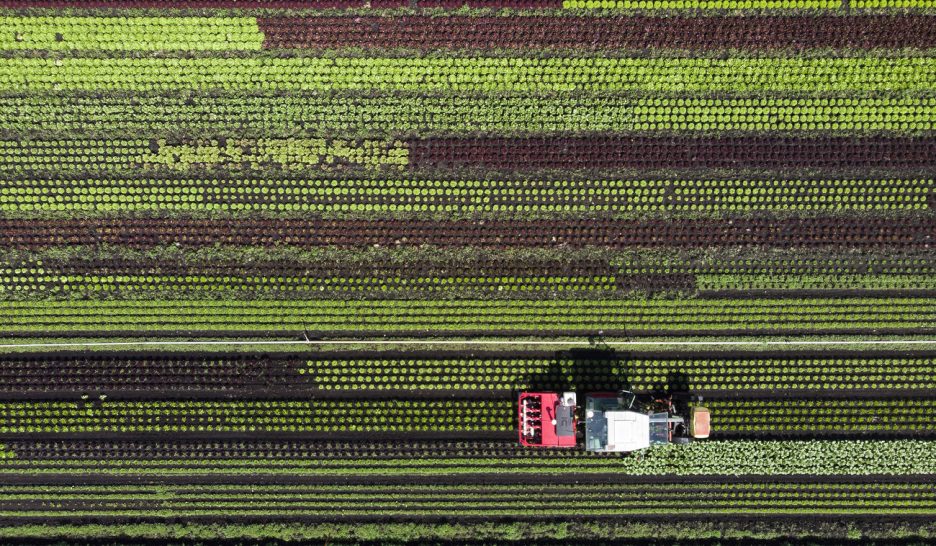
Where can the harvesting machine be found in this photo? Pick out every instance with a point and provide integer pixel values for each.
(614, 422)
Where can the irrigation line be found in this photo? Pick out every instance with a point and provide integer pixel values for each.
(509, 342)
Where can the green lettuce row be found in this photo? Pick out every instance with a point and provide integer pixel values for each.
(39, 283)
(397, 115)
(91, 195)
(776, 271)
(480, 509)
(734, 458)
(744, 416)
(255, 416)
(518, 493)
(701, 375)
(261, 343)
(783, 281)
(488, 532)
(295, 154)
(694, 375)
(130, 33)
(651, 75)
(445, 374)
(394, 274)
(368, 317)
(511, 498)
(787, 415)
(773, 262)
(42, 284)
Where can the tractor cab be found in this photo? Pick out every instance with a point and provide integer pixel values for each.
(614, 424)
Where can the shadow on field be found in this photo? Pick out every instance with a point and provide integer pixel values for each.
(584, 370)
(602, 369)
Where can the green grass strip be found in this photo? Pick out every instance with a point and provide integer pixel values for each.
(657, 75)
(130, 33)
(439, 316)
(413, 114)
(702, 4)
(93, 196)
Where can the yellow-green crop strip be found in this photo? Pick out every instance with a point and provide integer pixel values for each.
(449, 113)
(130, 33)
(665, 75)
(95, 195)
(291, 154)
(815, 315)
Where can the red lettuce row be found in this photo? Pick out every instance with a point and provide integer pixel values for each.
(616, 152)
(641, 32)
(312, 232)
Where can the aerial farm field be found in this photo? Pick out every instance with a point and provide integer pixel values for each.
(281, 270)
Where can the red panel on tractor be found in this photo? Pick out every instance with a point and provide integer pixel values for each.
(544, 422)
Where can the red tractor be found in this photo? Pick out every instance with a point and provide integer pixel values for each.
(614, 422)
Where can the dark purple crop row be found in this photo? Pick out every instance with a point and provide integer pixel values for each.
(531, 32)
(826, 232)
(615, 152)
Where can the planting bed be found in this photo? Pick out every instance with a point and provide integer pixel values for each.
(425, 208)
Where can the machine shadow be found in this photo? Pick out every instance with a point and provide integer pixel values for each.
(597, 369)
(678, 388)
(584, 370)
